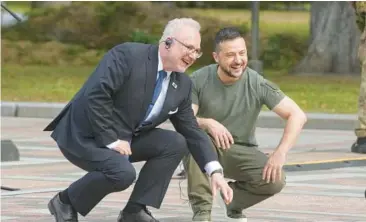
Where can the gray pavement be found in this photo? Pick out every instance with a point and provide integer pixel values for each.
(335, 194)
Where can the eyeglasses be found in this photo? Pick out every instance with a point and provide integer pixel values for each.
(197, 52)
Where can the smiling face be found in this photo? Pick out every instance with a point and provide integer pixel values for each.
(232, 57)
(184, 50)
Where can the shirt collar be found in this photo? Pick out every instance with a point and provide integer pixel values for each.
(160, 66)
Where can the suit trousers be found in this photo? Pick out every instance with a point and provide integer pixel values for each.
(161, 149)
(241, 163)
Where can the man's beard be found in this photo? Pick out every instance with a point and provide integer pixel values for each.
(228, 73)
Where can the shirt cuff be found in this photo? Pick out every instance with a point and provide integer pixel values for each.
(113, 145)
(212, 166)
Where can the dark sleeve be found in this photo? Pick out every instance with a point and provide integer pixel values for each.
(109, 77)
(198, 142)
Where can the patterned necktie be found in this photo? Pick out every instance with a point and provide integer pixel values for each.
(157, 90)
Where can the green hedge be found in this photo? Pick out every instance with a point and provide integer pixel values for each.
(48, 53)
(283, 51)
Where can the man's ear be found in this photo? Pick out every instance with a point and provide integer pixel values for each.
(215, 56)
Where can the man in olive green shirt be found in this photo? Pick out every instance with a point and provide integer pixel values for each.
(227, 98)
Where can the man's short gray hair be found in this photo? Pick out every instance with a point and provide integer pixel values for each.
(177, 24)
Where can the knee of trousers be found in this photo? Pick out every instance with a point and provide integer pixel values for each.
(276, 187)
(178, 144)
(123, 178)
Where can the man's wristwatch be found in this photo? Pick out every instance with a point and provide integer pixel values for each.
(217, 171)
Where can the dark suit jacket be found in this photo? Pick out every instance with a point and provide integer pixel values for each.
(114, 100)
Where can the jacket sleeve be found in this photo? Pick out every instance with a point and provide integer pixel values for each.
(198, 142)
(109, 77)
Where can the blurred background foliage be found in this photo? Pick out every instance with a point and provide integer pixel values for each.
(59, 34)
(48, 56)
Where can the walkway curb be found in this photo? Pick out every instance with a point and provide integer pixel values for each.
(266, 119)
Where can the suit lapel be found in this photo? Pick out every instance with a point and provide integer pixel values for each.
(171, 93)
(150, 79)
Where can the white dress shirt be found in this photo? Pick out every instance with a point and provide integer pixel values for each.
(211, 166)
(161, 98)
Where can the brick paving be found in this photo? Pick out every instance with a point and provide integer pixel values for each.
(335, 194)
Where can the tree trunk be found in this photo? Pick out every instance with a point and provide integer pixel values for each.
(334, 39)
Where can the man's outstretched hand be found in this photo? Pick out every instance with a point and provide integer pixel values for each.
(218, 183)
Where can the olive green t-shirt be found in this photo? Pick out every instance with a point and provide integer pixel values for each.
(236, 106)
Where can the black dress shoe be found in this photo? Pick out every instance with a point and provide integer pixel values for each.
(62, 212)
(359, 146)
(141, 216)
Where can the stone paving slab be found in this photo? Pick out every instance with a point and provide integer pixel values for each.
(317, 195)
(301, 200)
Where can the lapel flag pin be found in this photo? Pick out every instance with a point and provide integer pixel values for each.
(174, 85)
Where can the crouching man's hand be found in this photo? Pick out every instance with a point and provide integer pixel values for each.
(218, 183)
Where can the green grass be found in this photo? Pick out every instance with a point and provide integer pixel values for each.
(328, 94)
(270, 22)
(41, 83)
(18, 6)
(243, 15)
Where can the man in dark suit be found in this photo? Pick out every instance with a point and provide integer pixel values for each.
(111, 122)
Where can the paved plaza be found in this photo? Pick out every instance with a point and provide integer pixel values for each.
(325, 181)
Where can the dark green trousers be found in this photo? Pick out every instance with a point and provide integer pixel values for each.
(242, 164)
